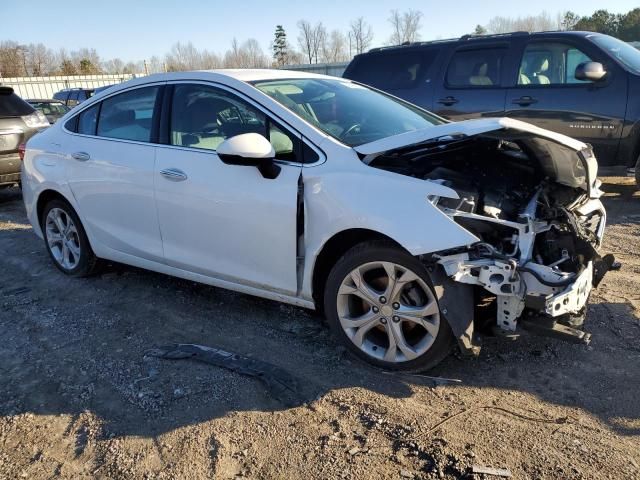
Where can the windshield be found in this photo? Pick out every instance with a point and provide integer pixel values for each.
(349, 112)
(50, 108)
(626, 54)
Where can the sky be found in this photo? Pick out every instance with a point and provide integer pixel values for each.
(138, 29)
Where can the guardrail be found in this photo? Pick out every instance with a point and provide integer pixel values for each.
(45, 87)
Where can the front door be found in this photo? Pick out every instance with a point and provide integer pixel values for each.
(225, 221)
(548, 95)
(470, 84)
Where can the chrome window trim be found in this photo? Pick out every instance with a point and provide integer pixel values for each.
(322, 157)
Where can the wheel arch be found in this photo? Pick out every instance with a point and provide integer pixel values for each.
(334, 248)
(44, 198)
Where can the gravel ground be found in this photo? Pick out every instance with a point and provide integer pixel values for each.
(79, 398)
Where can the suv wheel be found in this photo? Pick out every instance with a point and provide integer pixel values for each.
(66, 240)
(380, 303)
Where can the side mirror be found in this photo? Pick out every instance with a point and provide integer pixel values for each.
(250, 150)
(591, 71)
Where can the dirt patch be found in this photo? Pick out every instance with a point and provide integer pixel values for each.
(78, 397)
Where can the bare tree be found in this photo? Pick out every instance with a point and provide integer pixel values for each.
(40, 59)
(360, 35)
(334, 49)
(183, 56)
(405, 26)
(209, 60)
(247, 55)
(12, 59)
(311, 39)
(531, 23)
(113, 66)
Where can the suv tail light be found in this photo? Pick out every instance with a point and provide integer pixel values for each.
(21, 148)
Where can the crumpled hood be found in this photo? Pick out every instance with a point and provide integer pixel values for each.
(564, 159)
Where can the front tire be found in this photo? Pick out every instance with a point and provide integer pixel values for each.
(66, 240)
(380, 303)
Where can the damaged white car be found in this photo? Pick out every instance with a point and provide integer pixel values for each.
(409, 232)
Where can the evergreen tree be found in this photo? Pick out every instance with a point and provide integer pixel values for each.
(280, 47)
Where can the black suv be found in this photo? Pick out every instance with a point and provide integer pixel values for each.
(18, 122)
(582, 84)
(73, 96)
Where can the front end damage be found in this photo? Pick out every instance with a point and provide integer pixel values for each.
(531, 197)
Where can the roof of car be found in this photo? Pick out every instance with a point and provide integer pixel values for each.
(471, 37)
(43, 100)
(244, 74)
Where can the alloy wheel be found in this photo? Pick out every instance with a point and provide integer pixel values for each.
(388, 311)
(62, 238)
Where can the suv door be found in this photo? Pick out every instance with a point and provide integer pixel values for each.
(471, 83)
(226, 221)
(404, 72)
(547, 94)
(110, 168)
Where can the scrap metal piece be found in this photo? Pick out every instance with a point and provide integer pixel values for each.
(498, 472)
(281, 384)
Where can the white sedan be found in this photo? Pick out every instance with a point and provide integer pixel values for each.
(407, 231)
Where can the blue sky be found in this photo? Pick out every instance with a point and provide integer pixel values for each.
(138, 29)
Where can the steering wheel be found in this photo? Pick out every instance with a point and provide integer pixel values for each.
(350, 130)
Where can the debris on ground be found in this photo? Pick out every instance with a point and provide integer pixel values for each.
(283, 386)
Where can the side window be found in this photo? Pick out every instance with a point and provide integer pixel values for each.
(550, 63)
(87, 120)
(204, 116)
(129, 115)
(392, 70)
(72, 100)
(475, 68)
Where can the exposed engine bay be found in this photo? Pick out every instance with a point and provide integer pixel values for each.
(536, 260)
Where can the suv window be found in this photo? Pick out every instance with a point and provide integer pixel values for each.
(72, 101)
(129, 115)
(550, 63)
(475, 68)
(204, 116)
(392, 70)
(11, 105)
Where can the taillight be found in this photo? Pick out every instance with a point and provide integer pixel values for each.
(21, 148)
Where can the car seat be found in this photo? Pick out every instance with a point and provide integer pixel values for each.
(479, 75)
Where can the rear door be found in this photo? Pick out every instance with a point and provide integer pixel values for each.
(110, 164)
(404, 72)
(470, 84)
(547, 94)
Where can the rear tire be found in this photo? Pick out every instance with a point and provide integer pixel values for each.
(66, 241)
(380, 303)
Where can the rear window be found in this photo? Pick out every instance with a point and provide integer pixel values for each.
(128, 115)
(11, 105)
(392, 70)
(475, 68)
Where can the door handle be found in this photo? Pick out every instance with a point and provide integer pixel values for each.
(173, 174)
(448, 101)
(525, 101)
(81, 156)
